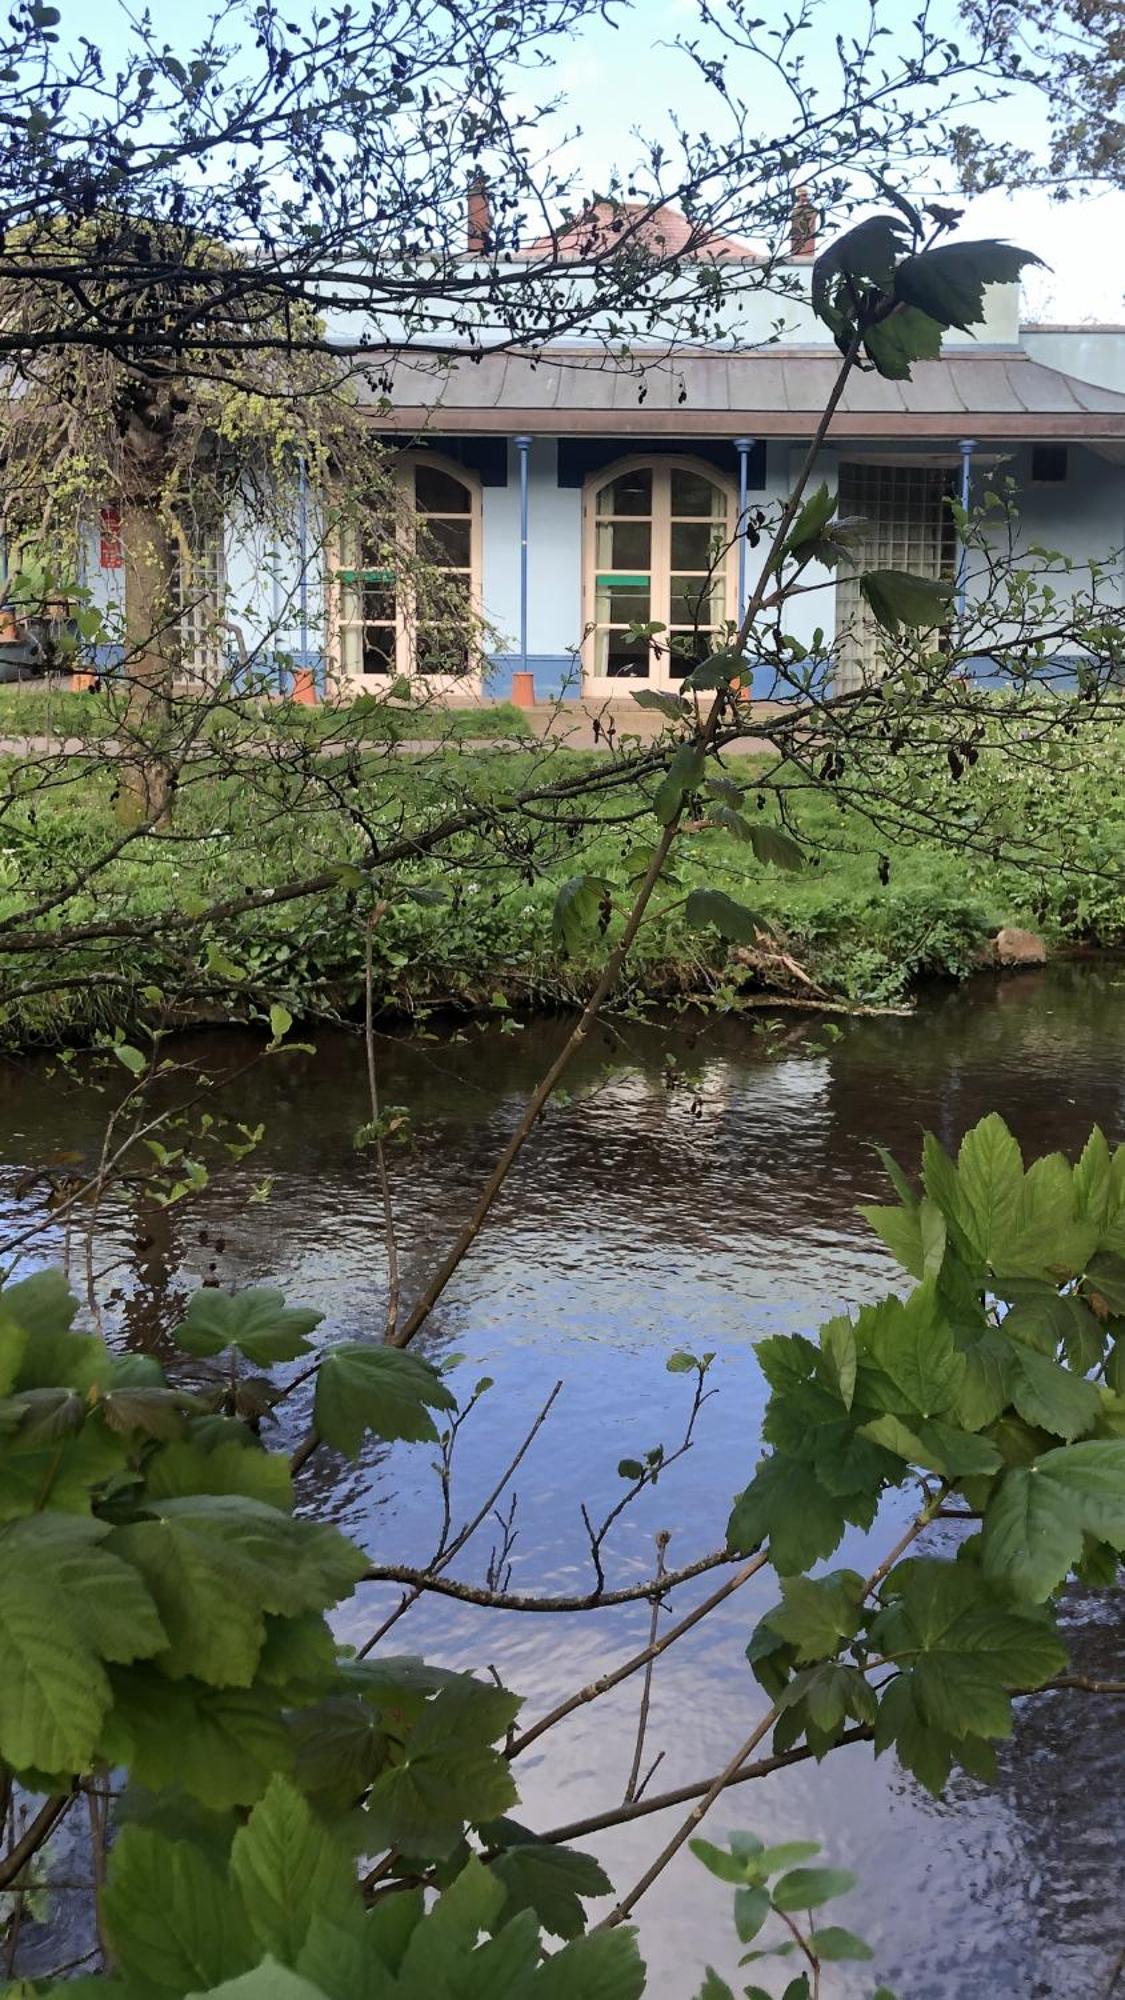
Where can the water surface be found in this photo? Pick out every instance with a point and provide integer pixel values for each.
(698, 1188)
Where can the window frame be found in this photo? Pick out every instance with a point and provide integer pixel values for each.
(349, 670)
(661, 465)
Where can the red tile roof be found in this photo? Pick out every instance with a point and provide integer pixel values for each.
(663, 231)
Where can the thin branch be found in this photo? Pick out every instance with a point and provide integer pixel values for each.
(594, 1689)
(498, 1600)
(431, 1579)
(32, 1839)
(646, 1685)
(389, 1236)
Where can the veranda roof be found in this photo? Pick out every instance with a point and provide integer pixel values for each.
(993, 393)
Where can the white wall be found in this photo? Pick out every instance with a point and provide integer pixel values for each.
(1094, 354)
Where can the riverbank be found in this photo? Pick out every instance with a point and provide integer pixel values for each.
(868, 916)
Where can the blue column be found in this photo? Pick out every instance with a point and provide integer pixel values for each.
(523, 446)
(967, 447)
(743, 447)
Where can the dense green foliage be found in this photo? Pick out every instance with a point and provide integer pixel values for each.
(164, 1611)
(868, 915)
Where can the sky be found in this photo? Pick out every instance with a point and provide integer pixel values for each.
(617, 82)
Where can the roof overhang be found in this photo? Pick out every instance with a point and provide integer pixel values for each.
(998, 396)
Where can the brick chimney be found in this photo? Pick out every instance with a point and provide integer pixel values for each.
(802, 226)
(478, 218)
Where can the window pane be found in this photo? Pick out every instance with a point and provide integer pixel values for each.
(378, 649)
(631, 493)
(624, 545)
(438, 492)
(378, 605)
(623, 606)
(624, 658)
(692, 494)
(442, 649)
(696, 600)
(447, 542)
(695, 545)
(687, 649)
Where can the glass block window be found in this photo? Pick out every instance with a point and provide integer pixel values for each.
(909, 526)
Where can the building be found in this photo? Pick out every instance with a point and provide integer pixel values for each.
(574, 496)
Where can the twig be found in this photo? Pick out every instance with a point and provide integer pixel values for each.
(763, 1767)
(34, 1836)
(389, 1237)
(602, 1685)
(430, 1578)
(662, 1541)
(499, 1600)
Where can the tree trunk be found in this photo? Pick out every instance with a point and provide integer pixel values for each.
(152, 641)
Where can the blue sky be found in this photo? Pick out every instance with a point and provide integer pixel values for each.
(617, 82)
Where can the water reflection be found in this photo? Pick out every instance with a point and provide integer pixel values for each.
(698, 1187)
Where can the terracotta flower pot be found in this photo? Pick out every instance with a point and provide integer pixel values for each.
(304, 687)
(523, 690)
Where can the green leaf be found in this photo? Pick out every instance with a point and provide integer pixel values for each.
(812, 520)
(713, 908)
(751, 1908)
(683, 775)
(382, 1390)
(964, 1650)
(896, 599)
(67, 1608)
(217, 1563)
(718, 1861)
(13, 1344)
(1106, 1273)
(772, 845)
(861, 257)
(604, 1966)
(257, 1322)
(936, 1446)
(838, 1343)
(816, 1613)
(808, 1888)
(235, 1466)
(268, 1981)
(578, 907)
(896, 343)
(135, 1062)
(289, 1868)
(44, 1306)
(341, 1747)
(990, 1178)
(450, 1773)
(911, 1343)
(550, 1881)
(221, 1745)
(834, 1943)
(785, 1505)
(172, 1918)
(949, 282)
(1036, 1520)
(714, 1988)
(1051, 1397)
(667, 704)
(281, 1020)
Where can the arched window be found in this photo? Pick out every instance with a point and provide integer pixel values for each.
(410, 606)
(659, 551)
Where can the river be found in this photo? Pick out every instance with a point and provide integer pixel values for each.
(697, 1187)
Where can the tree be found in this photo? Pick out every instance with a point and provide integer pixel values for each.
(1074, 58)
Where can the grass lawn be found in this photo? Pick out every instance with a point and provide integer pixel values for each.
(866, 917)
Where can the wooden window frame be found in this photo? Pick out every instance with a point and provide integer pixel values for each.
(661, 465)
(348, 671)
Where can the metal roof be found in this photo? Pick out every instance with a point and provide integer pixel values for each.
(778, 393)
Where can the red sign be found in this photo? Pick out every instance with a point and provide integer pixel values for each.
(111, 556)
